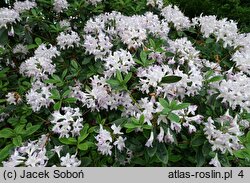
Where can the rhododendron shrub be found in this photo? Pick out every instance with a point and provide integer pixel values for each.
(83, 84)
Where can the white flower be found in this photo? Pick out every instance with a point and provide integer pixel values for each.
(57, 150)
(150, 140)
(175, 126)
(60, 5)
(30, 154)
(68, 122)
(155, 3)
(70, 161)
(120, 143)
(161, 135)
(8, 16)
(13, 98)
(235, 91)
(65, 24)
(94, 2)
(47, 52)
(104, 139)
(39, 96)
(174, 15)
(169, 137)
(120, 60)
(41, 64)
(20, 6)
(222, 29)
(151, 76)
(116, 129)
(98, 97)
(192, 109)
(67, 40)
(226, 140)
(20, 48)
(215, 161)
(15, 160)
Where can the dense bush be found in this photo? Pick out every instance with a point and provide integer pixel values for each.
(121, 83)
(238, 10)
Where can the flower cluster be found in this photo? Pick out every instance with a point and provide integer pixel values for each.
(68, 40)
(8, 16)
(39, 95)
(94, 2)
(120, 60)
(40, 65)
(226, 140)
(21, 6)
(30, 154)
(105, 140)
(70, 161)
(60, 5)
(68, 122)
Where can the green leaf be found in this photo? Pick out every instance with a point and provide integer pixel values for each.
(83, 146)
(119, 76)
(86, 161)
(57, 105)
(169, 54)
(175, 158)
(215, 79)
(173, 117)
(115, 84)
(166, 111)
(31, 46)
(50, 81)
(141, 119)
(74, 64)
(164, 103)
(57, 78)
(32, 129)
(151, 151)
(138, 61)
(38, 41)
(7, 133)
(2, 100)
(162, 153)
(242, 154)
(5, 152)
(19, 129)
(86, 60)
(248, 137)
(17, 141)
(127, 77)
(200, 159)
(90, 144)
(83, 133)
(64, 73)
(152, 43)
(4, 36)
(206, 148)
(68, 141)
(66, 93)
(209, 40)
(131, 125)
(70, 100)
(55, 94)
(198, 140)
(143, 57)
(13, 121)
(181, 106)
(171, 79)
